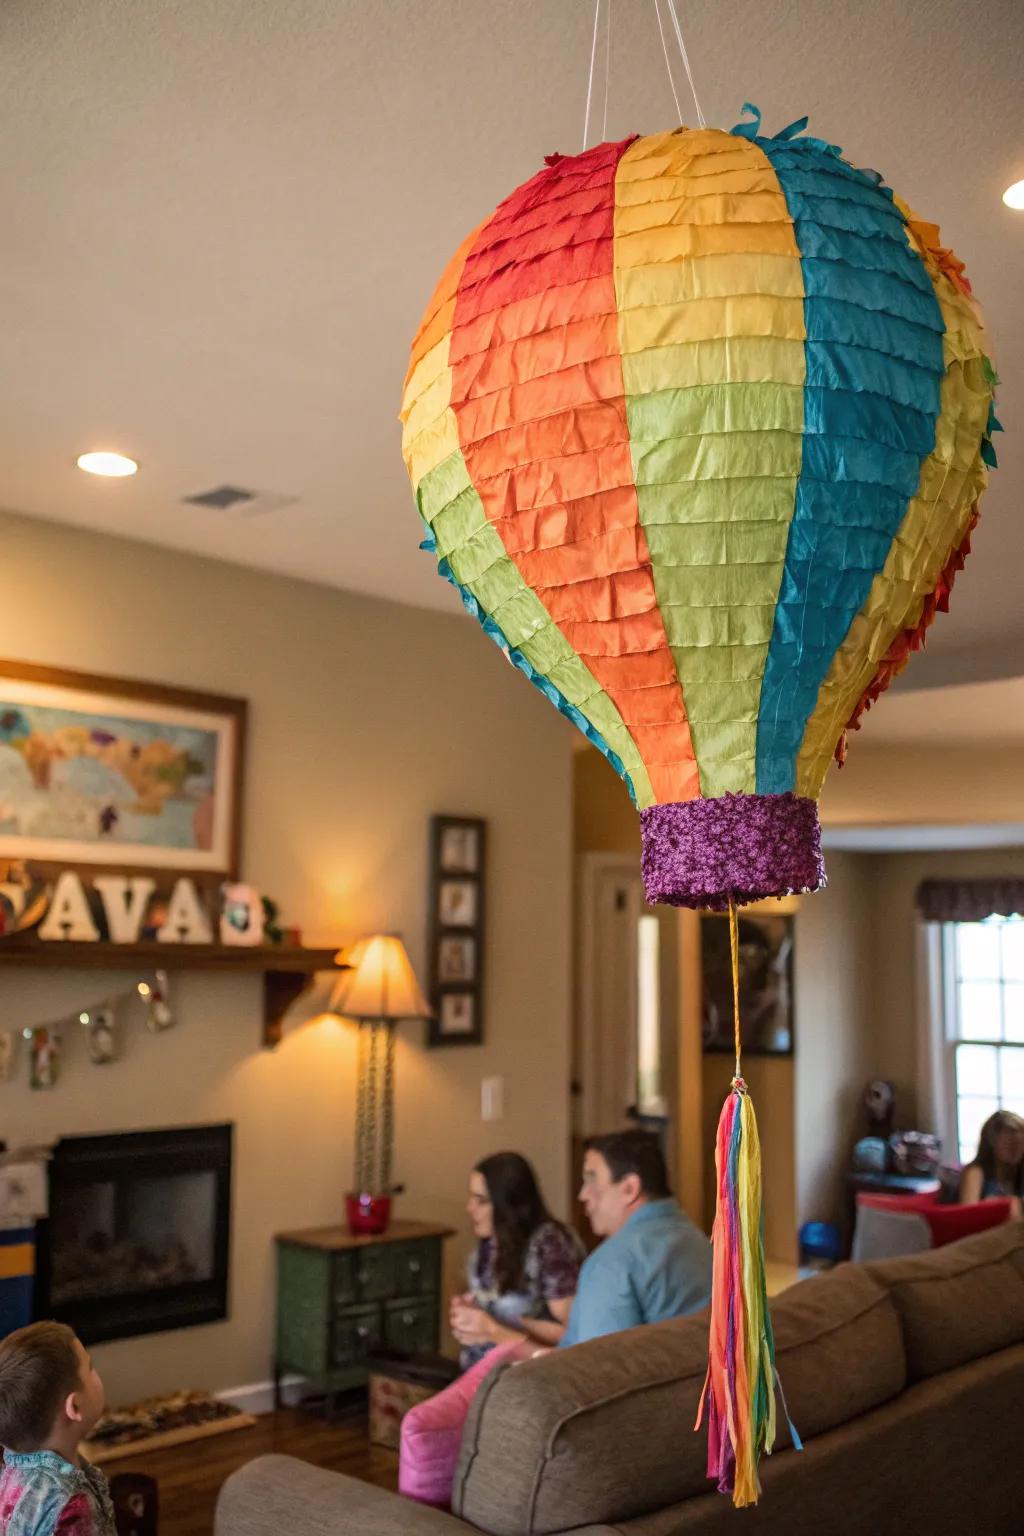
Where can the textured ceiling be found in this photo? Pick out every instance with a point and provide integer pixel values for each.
(222, 219)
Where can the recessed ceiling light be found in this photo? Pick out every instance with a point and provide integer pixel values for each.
(113, 465)
(1013, 197)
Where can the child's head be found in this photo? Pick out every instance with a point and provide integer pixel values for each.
(49, 1388)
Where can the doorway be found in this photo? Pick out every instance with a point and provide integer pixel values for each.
(625, 1048)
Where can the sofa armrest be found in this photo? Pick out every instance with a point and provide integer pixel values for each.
(279, 1494)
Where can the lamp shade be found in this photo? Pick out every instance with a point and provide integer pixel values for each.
(381, 984)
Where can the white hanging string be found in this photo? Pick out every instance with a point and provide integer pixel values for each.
(607, 70)
(590, 81)
(686, 62)
(668, 66)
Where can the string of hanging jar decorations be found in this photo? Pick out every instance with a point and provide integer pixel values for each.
(104, 1026)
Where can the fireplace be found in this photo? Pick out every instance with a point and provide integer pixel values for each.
(137, 1239)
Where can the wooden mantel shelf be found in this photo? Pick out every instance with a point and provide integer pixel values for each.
(20, 950)
(287, 970)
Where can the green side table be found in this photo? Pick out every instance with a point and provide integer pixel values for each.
(341, 1297)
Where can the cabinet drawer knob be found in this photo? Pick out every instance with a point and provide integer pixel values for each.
(414, 1266)
(408, 1318)
(362, 1275)
(362, 1332)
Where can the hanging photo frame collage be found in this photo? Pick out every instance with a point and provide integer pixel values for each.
(458, 847)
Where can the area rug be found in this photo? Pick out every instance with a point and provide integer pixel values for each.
(160, 1422)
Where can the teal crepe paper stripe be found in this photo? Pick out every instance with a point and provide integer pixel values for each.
(988, 452)
(516, 657)
(871, 401)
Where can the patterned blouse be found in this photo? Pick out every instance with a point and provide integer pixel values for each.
(41, 1494)
(550, 1270)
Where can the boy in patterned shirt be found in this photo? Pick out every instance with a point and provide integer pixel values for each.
(50, 1400)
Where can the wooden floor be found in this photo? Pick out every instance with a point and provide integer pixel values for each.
(190, 1476)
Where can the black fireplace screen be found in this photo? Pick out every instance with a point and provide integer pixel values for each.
(137, 1239)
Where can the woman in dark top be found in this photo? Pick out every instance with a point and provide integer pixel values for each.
(523, 1271)
(998, 1167)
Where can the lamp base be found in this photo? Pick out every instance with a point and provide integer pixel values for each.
(367, 1215)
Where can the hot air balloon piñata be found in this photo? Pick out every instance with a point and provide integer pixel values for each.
(697, 424)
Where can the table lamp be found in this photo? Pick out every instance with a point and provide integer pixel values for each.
(380, 989)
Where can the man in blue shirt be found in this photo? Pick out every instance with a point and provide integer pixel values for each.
(653, 1263)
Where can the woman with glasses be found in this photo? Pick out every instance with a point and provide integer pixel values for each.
(523, 1270)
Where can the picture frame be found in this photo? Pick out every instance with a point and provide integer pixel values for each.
(767, 1026)
(110, 773)
(456, 961)
(460, 847)
(457, 903)
(456, 908)
(457, 1015)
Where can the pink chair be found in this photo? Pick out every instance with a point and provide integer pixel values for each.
(432, 1431)
(891, 1226)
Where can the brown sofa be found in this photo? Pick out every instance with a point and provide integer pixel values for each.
(905, 1380)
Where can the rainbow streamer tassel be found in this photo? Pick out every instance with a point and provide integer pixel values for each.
(739, 1393)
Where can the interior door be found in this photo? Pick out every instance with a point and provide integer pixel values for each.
(625, 1047)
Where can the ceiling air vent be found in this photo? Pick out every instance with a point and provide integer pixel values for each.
(224, 498)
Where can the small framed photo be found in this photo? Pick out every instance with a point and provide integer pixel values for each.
(457, 1018)
(457, 903)
(460, 848)
(456, 940)
(456, 959)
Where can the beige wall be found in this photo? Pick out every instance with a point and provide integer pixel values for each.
(771, 1081)
(835, 966)
(604, 818)
(365, 718)
(921, 786)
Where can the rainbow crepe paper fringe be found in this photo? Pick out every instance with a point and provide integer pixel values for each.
(739, 1393)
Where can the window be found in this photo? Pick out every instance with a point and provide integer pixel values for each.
(984, 965)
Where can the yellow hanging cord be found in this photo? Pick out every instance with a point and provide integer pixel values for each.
(739, 1394)
(734, 946)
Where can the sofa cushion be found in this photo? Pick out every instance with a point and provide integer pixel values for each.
(604, 1431)
(838, 1350)
(960, 1302)
(282, 1496)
